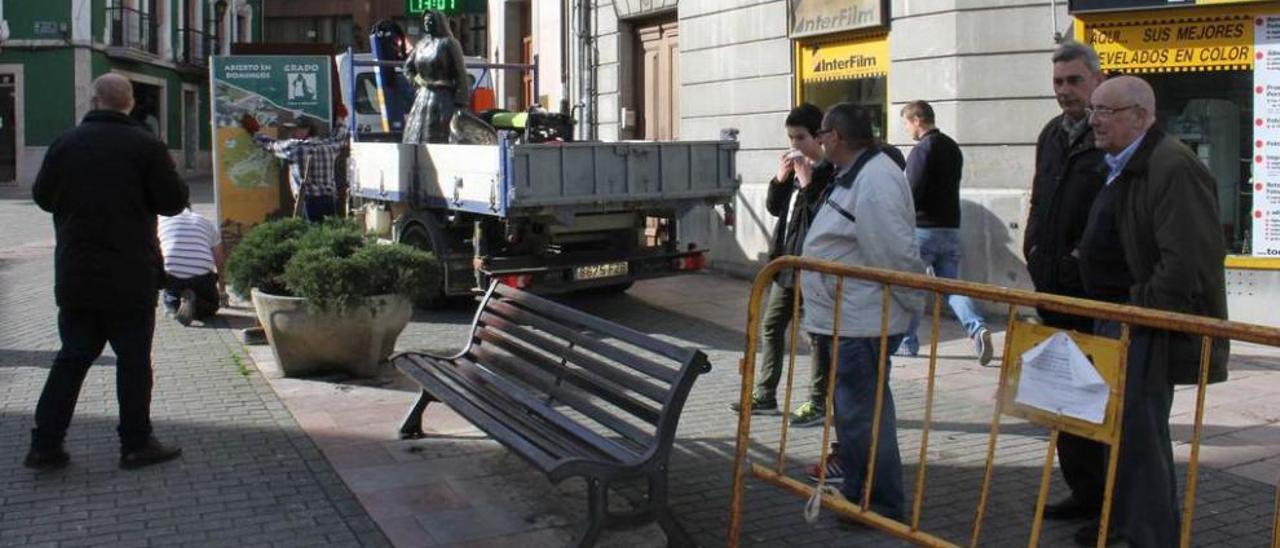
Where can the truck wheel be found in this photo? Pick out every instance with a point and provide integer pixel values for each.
(433, 296)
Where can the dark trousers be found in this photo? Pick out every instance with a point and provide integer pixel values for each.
(84, 334)
(205, 287)
(777, 318)
(855, 400)
(318, 208)
(1145, 504)
(1082, 460)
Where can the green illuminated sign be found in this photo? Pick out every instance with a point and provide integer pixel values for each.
(448, 7)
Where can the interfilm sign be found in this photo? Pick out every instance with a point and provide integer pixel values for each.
(1174, 45)
(845, 61)
(817, 17)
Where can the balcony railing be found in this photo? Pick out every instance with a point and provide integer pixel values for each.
(133, 29)
(194, 47)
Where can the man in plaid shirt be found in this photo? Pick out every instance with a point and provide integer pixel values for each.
(313, 165)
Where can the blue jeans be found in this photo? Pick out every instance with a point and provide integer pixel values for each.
(855, 400)
(940, 250)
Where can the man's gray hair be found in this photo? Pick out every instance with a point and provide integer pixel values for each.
(1071, 50)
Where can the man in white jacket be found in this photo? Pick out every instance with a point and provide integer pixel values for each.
(867, 218)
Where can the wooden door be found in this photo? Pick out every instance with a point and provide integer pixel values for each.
(658, 80)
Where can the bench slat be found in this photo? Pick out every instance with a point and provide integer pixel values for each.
(579, 435)
(602, 348)
(533, 376)
(601, 388)
(562, 312)
(472, 377)
(587, 363)
(445, 389)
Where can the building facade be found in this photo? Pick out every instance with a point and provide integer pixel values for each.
(685, 69)
(53, 50)
(347, 23)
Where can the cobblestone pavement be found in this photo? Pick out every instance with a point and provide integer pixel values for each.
(249, 476)
(310, 455)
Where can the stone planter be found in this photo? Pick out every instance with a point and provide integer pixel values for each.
(356, 340)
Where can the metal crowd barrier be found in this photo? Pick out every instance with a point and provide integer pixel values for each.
(1020, 336)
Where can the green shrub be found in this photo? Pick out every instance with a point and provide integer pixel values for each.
(332, 264)
(259, 259)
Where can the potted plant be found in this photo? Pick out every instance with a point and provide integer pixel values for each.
(329, 297)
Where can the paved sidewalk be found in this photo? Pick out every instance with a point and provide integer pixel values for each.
(249, 475)
(312, 462)
(456, 488)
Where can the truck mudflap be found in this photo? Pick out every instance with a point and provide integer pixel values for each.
(574, 276)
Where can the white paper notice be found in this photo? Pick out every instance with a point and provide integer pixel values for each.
(1057, 377)
(1266, 132)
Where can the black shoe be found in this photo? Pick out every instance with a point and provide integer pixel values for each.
(151, 453)
(759, 406)
(46, 459)
(186, 307)
(1070, 508)
(1087, 535)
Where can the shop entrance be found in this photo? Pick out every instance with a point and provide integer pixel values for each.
(146, 108)
(853, 70)
(8, 130)
(1211, 113)
(190, 129)
(869, 93)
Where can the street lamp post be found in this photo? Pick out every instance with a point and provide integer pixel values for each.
(219, 11)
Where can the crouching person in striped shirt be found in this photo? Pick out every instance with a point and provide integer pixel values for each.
(193, 257)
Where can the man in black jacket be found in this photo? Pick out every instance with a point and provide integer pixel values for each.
(794, 191)
(1153, 239)
(105, 182)
(933, 169)
(1068, 176)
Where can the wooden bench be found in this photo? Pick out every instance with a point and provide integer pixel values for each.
(571, 393)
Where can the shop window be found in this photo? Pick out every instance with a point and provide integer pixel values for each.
(1211, 112)
(869, 93)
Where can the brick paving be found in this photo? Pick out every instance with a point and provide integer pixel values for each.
(316, 462)
(249, 475)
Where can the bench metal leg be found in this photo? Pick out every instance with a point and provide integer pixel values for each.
(676, 535)
(411, 428)
(597, 511)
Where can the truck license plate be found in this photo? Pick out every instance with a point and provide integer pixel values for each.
(597, 271)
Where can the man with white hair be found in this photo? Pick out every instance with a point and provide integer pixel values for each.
(105, 182)
(1152, 240)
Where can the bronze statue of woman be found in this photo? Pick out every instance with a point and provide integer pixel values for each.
(437, 67)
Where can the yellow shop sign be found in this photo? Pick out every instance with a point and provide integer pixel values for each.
(1174, 45)
(845, 60)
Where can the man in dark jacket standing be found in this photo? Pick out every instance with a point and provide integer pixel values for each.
(933, 169)
(1069, 173)
(1067, 178)
(105, 182)
(1153, 239)
(802, 177)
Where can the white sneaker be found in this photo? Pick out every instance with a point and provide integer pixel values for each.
(982, 346)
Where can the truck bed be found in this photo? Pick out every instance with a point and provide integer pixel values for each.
(559, 178)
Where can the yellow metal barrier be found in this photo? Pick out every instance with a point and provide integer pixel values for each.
(1108, 356)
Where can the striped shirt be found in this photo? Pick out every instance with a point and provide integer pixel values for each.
(187, 241)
